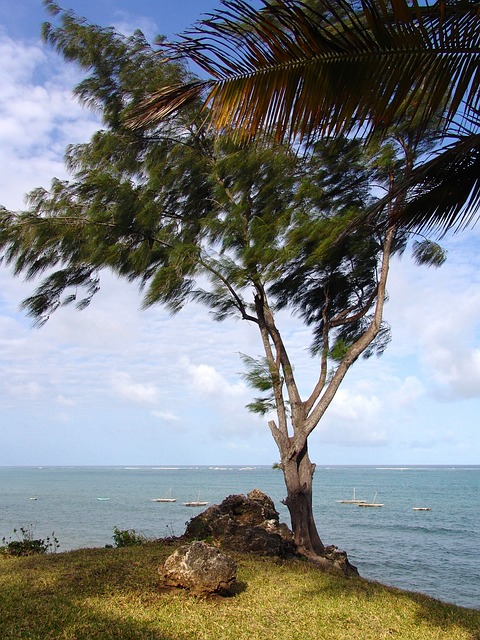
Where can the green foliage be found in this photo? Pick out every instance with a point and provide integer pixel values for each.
(166, 206)
(127, 537)
(135, 200)
(329, 273)
(339, 349)
(27, 545)
(261, 406)
(122, 69)
(262, 376)
(259, 373)
(428, 253)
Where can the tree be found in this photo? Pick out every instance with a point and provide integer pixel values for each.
(304, 69)
(261, 228)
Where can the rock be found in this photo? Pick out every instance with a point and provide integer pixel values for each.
(251, 524)
(336, 561)
(340, 562)
(200, 567)
(244, 523)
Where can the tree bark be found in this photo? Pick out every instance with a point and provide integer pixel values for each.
(298, 472)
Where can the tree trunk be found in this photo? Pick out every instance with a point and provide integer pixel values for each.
(298, 473)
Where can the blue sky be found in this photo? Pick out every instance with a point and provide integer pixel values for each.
(117, 385)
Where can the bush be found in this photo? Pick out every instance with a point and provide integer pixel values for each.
(27, 545)
(127, 537)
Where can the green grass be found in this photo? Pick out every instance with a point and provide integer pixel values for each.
(117, 594)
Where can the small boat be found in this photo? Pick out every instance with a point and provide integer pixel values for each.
(103, 499)
(196, 503)
(33, 498)
(422, 508)
(371, 504)
(168, 498)
(354, 500)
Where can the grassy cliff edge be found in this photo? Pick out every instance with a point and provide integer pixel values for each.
(93, 594)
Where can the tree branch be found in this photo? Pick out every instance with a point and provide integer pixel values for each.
(296, 404)
(340, 319)
(281, 435)
(239, 303)
(309, 403)
(361, 344)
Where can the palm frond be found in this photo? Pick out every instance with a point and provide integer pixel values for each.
(447, 189)
(164, 102)
(295, 71)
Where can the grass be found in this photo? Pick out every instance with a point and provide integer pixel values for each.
(117, 594)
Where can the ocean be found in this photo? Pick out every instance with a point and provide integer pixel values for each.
(436, 552)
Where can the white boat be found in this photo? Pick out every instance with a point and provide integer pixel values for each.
(196, 503)
(103, 498)
(354, 500)
(168, 498)
(422, 508)
(371, 504)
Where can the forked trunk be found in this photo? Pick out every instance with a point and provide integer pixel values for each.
(298, 473)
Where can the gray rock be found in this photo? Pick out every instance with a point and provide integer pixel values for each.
(201, 568)
(244, 523)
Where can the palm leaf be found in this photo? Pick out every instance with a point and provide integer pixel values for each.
(166, 101)
(295, 71)
(447, 189)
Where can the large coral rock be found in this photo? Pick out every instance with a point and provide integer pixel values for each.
(251, 524)
(244, 523)
(201, 568)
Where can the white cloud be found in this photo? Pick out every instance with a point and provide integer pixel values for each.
(455, 370)
(65, 402)
(38, 118)
(349, 406)
(127, 23)
(205, 379)
(21, 58)
(432, 438)
(26, 391)
(353, 419)
(435, 316)
(407, 392)
(224, 402)
(168, 416)
(123, 386)
(448, 353)
(63, 418)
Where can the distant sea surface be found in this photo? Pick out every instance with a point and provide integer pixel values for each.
(436, 552)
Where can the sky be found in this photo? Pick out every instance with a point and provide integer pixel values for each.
(114, 384)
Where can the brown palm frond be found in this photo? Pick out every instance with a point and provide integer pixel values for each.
(164, 102)
(295, 71)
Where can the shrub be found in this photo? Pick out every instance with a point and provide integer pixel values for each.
(127, 537)
(27, 545)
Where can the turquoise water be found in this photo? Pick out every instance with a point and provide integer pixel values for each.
(435, 552)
